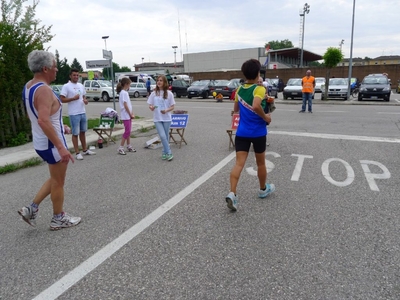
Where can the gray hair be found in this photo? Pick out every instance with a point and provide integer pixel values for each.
(38, 59)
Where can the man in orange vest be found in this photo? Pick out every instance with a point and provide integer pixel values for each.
(308, 84)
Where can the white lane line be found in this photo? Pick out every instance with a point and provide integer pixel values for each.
(62, 285)
(388, 113)
(338, 136)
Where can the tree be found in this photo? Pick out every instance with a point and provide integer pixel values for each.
(63, 69)
(20, 33)
(332, 57)
(125, 69)
(75, 64)
(275, 45)
(116, 68)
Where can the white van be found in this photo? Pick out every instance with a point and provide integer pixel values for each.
(139, 78)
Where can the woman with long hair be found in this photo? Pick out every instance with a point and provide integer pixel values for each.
(161, 102)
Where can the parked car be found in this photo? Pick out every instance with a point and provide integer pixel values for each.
(137, 89)
(278, 83)
(319, 81)
(375, 86)
(179, 88)
(221, 87)
(272, 88)
(293, 89)
(57, 89)
(201, 88)
(337, 88)
(99, 89)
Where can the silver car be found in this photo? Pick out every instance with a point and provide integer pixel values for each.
(137, 89)
(337, 88)
(319, 81)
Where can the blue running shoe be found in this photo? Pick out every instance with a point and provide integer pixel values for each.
(270, 188)
(232, 201)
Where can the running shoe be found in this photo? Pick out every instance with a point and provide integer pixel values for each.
(164, 156)
(131, 149)
(28, 215)
(170, 157)
(79, 156)
(65, 222)
(88, 152)
(232, 201)
(121, 151)
(269, 189)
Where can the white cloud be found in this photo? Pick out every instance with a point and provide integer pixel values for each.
(150, 28)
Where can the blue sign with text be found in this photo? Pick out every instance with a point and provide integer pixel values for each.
(179, 120)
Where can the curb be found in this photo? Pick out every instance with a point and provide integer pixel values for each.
(21, 154)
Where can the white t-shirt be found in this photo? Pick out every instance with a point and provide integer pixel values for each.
(69, 90)
(124, 98)
(162, 104)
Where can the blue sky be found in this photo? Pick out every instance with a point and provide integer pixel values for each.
(148, 29)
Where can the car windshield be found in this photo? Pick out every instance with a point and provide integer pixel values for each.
(337, 81)
(105, 83)
(275, 81)
(222, 82)
(375, 80)
(200, 82)
(269, 81)
(233, 83)
(319, 80)
(294, 82)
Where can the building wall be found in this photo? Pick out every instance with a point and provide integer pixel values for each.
(360, 72)
(218, 60)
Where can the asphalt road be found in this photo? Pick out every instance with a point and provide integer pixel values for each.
(154, 229)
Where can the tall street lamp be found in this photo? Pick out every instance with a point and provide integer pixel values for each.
(351, 50)
(174, 47)
(341, 44)
(306, 10)
(142, 59)
(105, 45)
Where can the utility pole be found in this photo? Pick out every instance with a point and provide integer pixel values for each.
(174, 47)
(306, 10)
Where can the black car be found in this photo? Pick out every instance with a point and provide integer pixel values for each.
(179, 88)
(278, 82)
(201, 88)
(375, 86)
(226, 87)
(272, 88)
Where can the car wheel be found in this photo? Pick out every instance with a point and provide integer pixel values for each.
(190, 97)
(205, 96)
(345, 98)
(285, 97)
(276, 96)
(136, 94)
(96, 99)
(359, 97)
(386, 98)
(105, 97)
(178, 96)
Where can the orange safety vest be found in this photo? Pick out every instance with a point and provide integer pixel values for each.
(308, 84)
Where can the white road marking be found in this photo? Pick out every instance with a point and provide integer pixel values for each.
(75, 275)
(337, 136)
(62, 285)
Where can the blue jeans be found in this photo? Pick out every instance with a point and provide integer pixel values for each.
(163, 132)
(307, 96)
(78, 123)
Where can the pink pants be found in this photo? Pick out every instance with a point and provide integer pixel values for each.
(128, 128)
